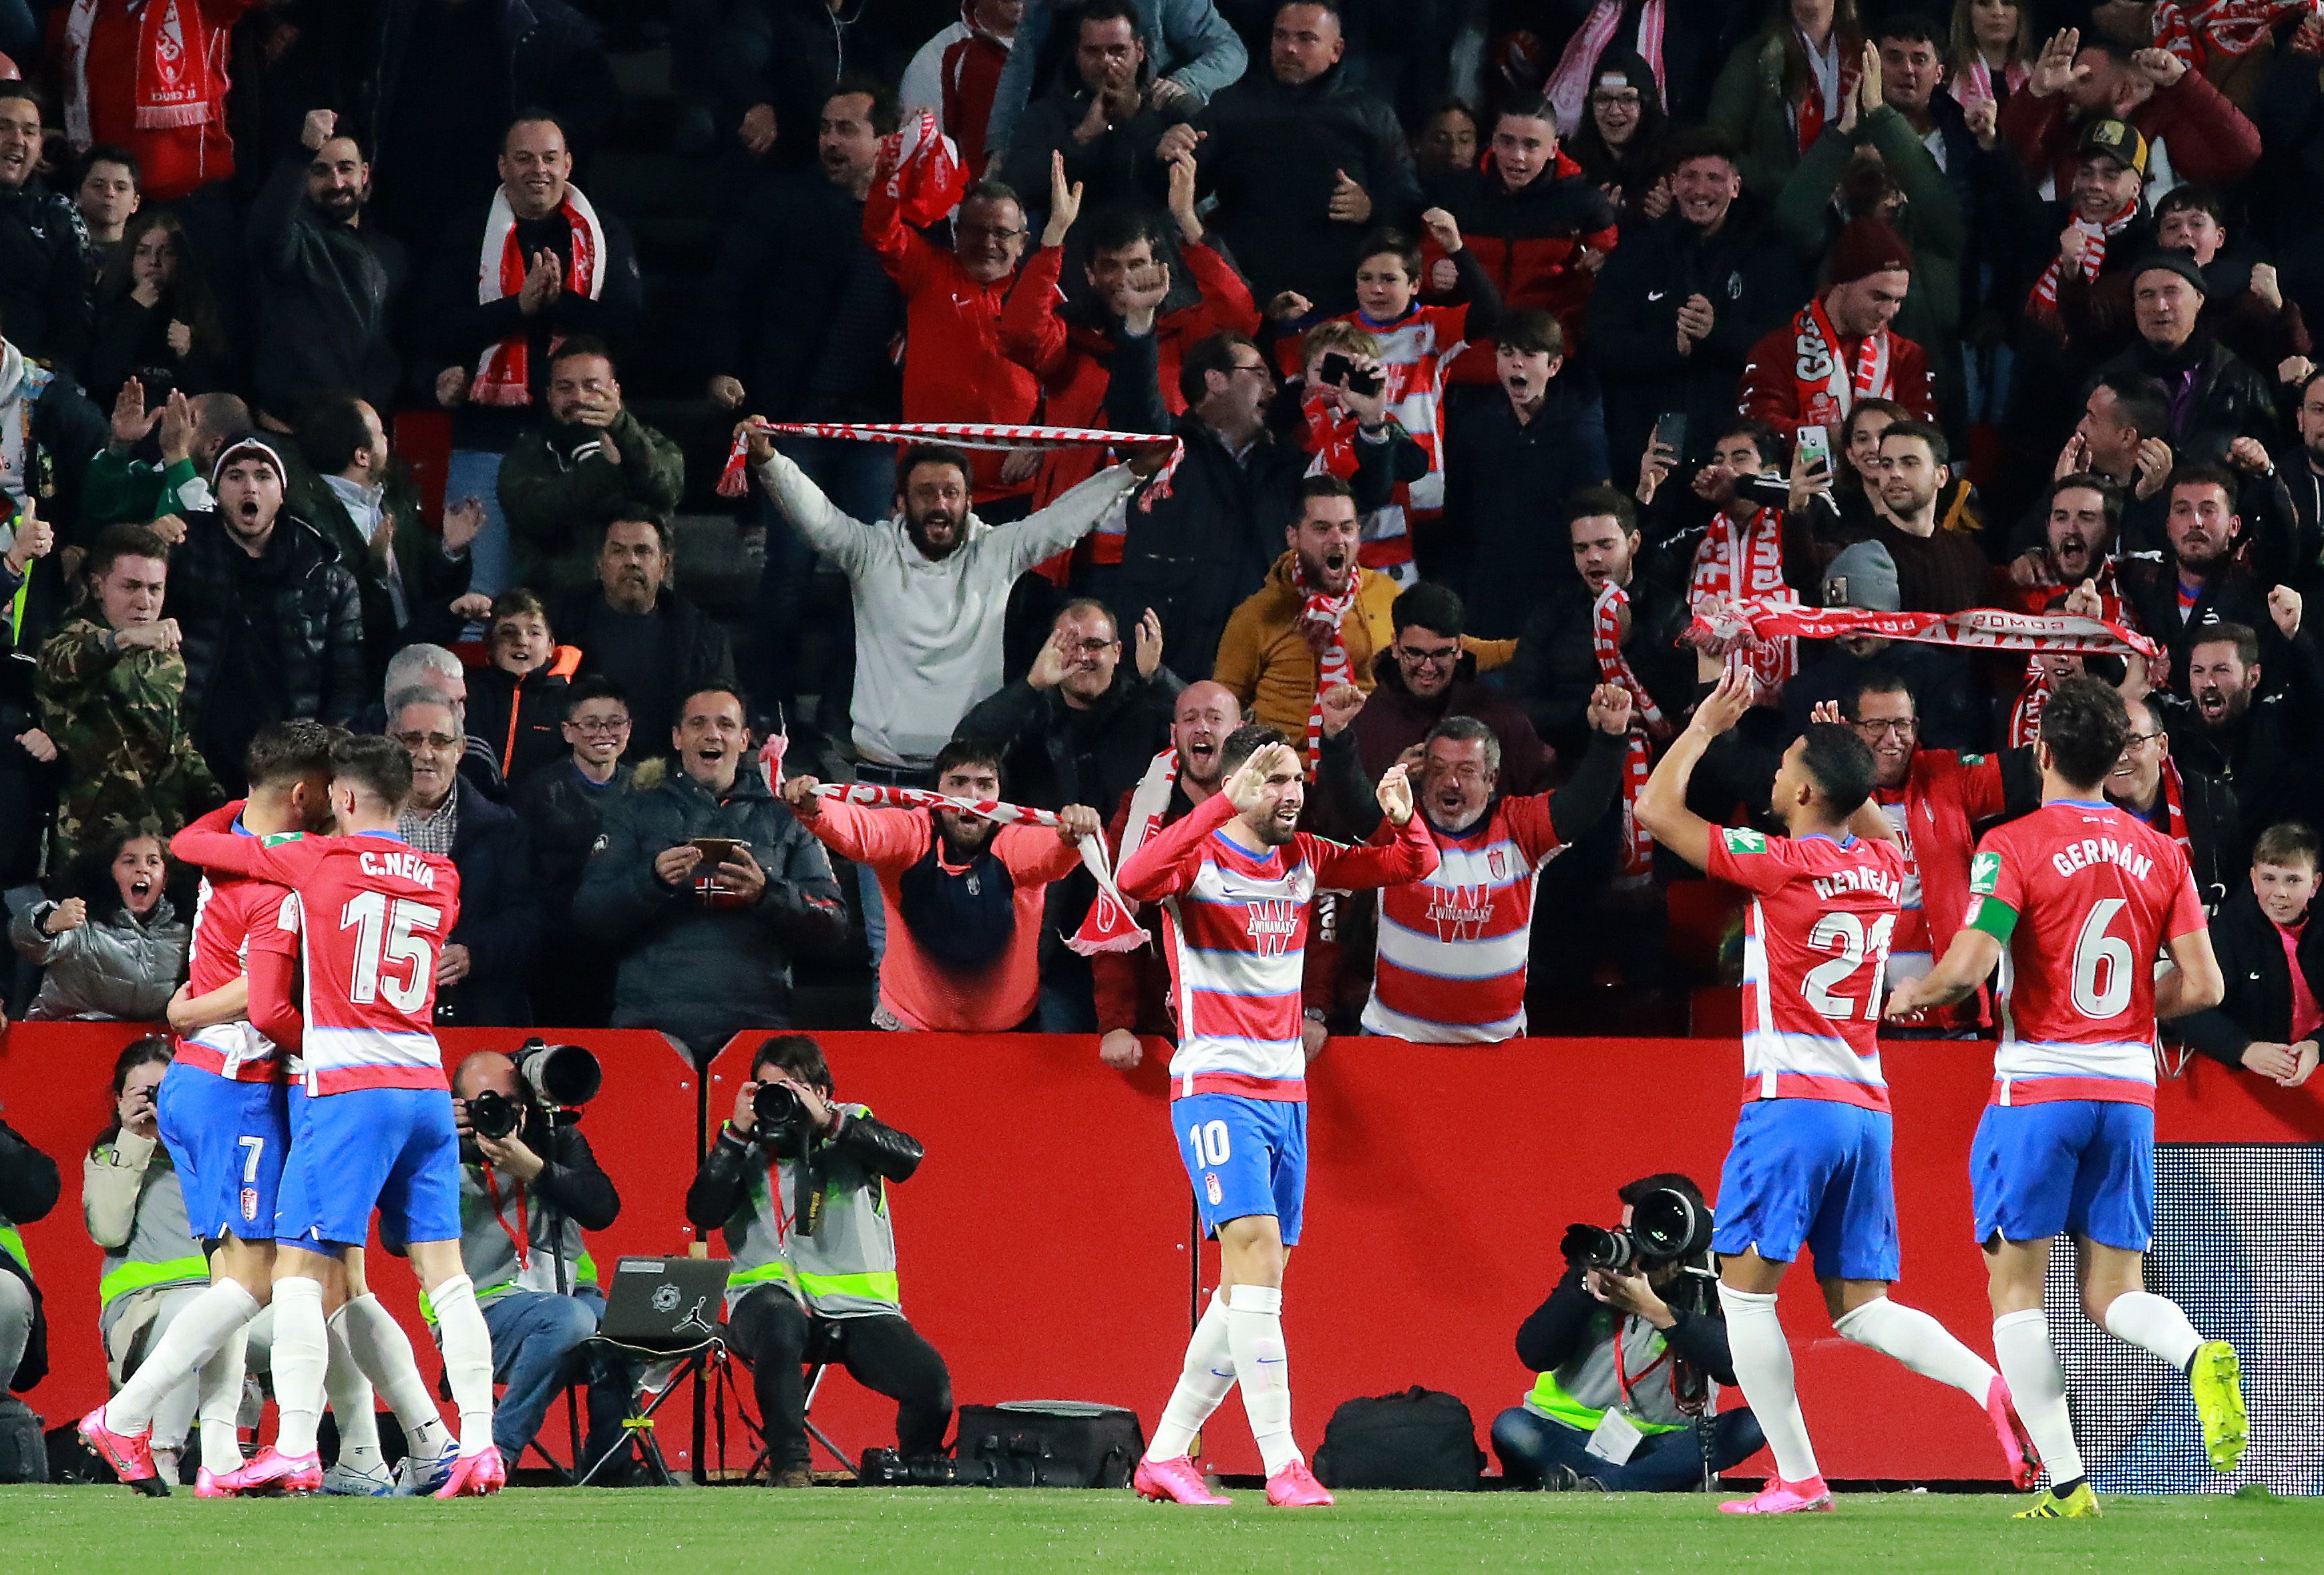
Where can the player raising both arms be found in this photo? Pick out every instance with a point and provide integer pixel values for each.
(375, 1128)
(1810, 1163)
(2076, 900)
(1236, 879)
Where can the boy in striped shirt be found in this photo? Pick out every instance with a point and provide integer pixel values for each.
(1236, 879)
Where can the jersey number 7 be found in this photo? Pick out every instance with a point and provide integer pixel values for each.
(1845, 934)
(384, 937)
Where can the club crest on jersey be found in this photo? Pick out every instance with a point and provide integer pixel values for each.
(1211, 1188)
(1460, 912)
(1497, 862)
(1273, 922)
(1985, 872)
(249, 1204)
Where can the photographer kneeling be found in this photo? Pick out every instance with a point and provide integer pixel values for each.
(1629, 1358)
(814, 1276)
(529, 1187)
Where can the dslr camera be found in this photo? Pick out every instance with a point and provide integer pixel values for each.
(1665, 1225)
(778, 1115)
(557, 1079)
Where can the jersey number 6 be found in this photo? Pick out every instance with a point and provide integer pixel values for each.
(383, 936)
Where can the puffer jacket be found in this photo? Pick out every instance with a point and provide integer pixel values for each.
(688, 969)
(118, 969)
(318, 613)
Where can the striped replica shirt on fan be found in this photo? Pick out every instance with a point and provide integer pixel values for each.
(227, 910)
(372, 915)
(1452, 965)
(1815, 944)
(1235, 935)
(1416, 351)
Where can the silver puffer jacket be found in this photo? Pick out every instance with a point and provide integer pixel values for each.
(119, 968)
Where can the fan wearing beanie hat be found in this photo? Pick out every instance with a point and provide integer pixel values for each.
(247, 483)
(1812, 370)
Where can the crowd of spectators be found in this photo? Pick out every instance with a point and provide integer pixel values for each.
(1497, 344)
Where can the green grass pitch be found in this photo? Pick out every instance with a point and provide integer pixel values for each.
(83, 1530)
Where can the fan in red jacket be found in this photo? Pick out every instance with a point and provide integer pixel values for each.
(1534, 222)
(1812, 370)
(151, 79)
(2074, 83)
(953, 367)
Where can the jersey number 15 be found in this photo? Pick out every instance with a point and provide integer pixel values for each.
(1845, 934)
(391, 963)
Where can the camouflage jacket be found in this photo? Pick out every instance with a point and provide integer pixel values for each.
(115, 716)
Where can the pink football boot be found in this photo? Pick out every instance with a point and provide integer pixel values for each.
(131, 1455)
(1295, 1488)
(271, 1469)
(1178, 1481)
(210, 1484)
(476, 1476)
(2017, 1443)
(1782, 1497)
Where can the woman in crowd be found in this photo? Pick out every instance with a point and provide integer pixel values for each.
(156, 320)
(1619, 143)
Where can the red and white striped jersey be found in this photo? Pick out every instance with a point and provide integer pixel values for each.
(2083, 898)
(1451, 963)
(1910, 951)
(226, 911)
(1417, 350)
(1815, 944)
(1235, 934)
(371, 916)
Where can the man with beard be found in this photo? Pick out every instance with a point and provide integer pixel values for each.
(1450, 967)
(1839, 349)
(705, 886)
(966, 894)
(1938, 570)
(634, 628)
(327, 283)
(2123, 440)
(2197, 583)
(2304, 481)
(2192, 808)
(2080, 521)
(590, 462)
(2261, 746)
(270, 620)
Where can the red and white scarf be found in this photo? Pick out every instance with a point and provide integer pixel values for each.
(2025, 714)
(733, 481)
(1975, 628)
(1108, 927)
(1745, 562)
(181, 65)
(1606, 620)
(2174, 808)
(504, 374)
(1974, 85)
(1569, 85)
(2044, 301)
(2228, 27)
(1808, 114)
(1322, 624)
(1825, 390)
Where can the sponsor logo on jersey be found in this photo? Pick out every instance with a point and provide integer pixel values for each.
(1460, 912)
(1273, 922)
(1744, 841)
(1984, 873)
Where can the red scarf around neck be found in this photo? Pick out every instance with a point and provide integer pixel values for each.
(1823, 387)
(2044, 301)
(1322, 619)
(1606, 626)
(1745, 562)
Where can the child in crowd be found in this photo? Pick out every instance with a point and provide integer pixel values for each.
(112, 946)
(517, 703)
(2272, 956)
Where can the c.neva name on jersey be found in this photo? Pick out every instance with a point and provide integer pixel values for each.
(406, 866)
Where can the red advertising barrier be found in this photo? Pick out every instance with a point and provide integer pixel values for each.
(1044, 1242)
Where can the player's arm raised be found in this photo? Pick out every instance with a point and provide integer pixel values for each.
(1661, 807)
(1167, 863)
(1408, 854)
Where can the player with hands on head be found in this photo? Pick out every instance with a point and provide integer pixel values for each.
(2081, 897)
(1810, 1164)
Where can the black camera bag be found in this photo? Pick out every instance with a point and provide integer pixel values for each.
(1048, 1443)
(1420, 1440)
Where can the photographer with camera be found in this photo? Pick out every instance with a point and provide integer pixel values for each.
(529, 1187)
(1631, 1348)
(799, 1183)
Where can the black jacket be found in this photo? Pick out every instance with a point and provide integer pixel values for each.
(699, 972)
(1553, 1333)
(314, 610)
(1752, 284)
(2258, 1003)
(1272, 159)
(2216, 843)
(2149, 585)
(789, 54)
(695, 655)
(1556, 663)
(1505, 487)
(29, 1189)
(723, 1185)
(501, 918)
(326, 292)
(43, 308)
(2267, 759)
(2226, 397)
(562, 815)
(1055, 755)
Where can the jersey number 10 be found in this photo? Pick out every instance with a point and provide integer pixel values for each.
(384, 940)
(1845, 934)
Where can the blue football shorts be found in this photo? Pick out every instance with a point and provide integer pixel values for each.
(228, 1141)
(392, 1149)
(1244, 1156)
(2065, 1167)
(1812, 1173)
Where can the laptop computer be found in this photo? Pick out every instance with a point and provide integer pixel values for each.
(665, 1303)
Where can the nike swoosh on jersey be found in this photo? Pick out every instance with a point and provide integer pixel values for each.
(1654, 294)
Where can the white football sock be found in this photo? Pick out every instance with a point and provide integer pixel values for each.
(352, 1405)
(2154, 1323)
(467, 1359)
(2021, 1341)
(384, 1351)
(1762, 1368)
(1202, 1384)
(193, 1337)
(303, 1355)
(1921, 1343)
(219, 1404)
(1263, 1368)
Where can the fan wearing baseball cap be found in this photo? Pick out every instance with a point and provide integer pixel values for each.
(2085, 291)
(1838, 349)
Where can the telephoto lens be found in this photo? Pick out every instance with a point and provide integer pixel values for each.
(1669, 1224)
(494, 1114)
(1593, 1247)
(562, 1076)
(776, 1107)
